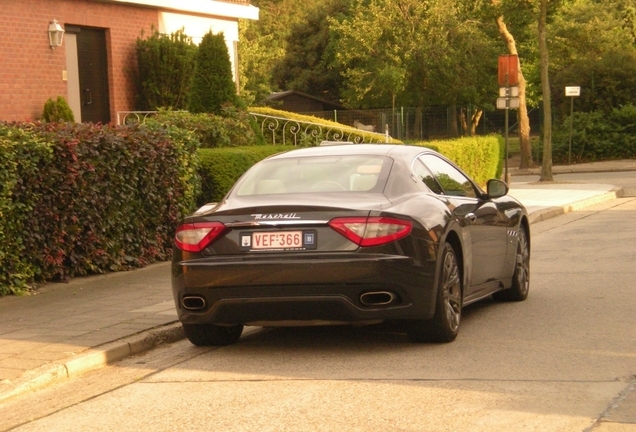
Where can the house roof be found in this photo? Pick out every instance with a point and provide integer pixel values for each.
(222, 8)
(282, 95)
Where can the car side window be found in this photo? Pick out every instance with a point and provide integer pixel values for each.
(427, 177)
(453, 181)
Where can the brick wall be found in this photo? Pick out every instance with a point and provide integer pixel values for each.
(31, 71)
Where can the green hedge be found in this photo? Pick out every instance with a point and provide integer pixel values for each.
(22, 155)
(219, 169)
(481, 157)
(82, 199)
(596, 136)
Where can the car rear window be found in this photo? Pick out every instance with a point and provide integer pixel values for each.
(316, 175)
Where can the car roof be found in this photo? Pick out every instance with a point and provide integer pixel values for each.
(355, 149)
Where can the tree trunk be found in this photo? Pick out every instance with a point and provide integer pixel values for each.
(453, 131)
(419, 123)
(463, 121)
(524, 121)
(546, 167)
(474, 121)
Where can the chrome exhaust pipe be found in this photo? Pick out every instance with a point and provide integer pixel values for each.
(377, 298)
(193, 303)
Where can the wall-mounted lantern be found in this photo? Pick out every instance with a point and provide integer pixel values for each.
(56, 34)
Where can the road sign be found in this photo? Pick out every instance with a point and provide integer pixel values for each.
(509, 91)
(507, 103)
(508, 70)
(571, 92)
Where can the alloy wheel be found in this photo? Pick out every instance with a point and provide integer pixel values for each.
(451, 291)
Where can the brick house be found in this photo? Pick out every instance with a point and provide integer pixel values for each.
(93, 68)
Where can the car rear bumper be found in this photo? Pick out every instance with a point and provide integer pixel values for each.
(349, 287)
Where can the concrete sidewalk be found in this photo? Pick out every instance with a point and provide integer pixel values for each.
(603, 166)
(70, 328)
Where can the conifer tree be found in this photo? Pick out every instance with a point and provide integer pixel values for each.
(212, 85)
(166, 65)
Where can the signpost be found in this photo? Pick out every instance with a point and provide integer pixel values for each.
(507, 103)
(571, 92)
(508, 70)
(508, 77)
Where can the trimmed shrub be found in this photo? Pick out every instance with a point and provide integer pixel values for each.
(220, 168)
(481, 157)
(57, 110)
(212, 85)
(242, 127)
(22, 155)
(166, 67)
(234, 129)
(92, 199)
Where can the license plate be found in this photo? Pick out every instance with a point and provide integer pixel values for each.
(278, 240)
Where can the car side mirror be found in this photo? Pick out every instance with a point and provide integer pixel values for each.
(496, 188)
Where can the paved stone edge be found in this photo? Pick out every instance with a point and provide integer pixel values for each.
(551, 212)
(94, 358)
(564, 169)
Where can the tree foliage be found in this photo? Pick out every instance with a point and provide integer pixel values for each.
(603, 85)
(588, 29)
(413, 53)
(594, 47)
(426, 52)
(309, 64)
(390, 53)
(263, 44)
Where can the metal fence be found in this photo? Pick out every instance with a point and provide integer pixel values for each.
(405, 124)
(428, 123)
(281, 130)
(125, 117)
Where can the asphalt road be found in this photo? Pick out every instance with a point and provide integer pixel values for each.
(564, 360)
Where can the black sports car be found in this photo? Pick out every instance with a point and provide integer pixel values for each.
(351, 233)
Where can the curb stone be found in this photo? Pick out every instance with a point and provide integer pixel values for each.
(95, 358)
(551, 212)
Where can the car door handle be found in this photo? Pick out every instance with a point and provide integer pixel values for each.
(471, 217)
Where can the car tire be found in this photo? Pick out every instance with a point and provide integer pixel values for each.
(444, 326)
(211, 334)
(521, 277)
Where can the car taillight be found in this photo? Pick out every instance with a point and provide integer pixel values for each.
(195, 237)
(372, 231)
